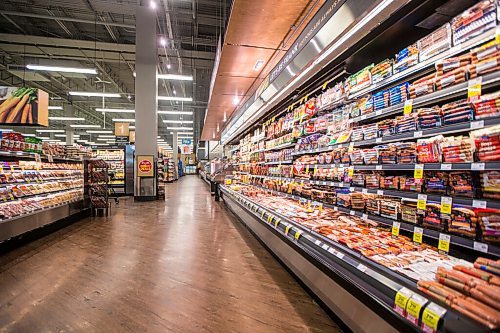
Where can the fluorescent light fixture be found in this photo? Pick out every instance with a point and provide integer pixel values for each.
(258, 65)
(115, 110)
(178, 121)
(6, 130)
(236, 100)
(174, 98)
(31, 135)
(106, 136)
(60, 135)
(67, 118)
(49, 131)
(169, 66)
(55, 107)
(131, 127)
(186, 113)
(99, 132)
(83, 141)
(84, 126)
(102, 139)
(163, 42)
(93, 94)
(98, 144)
(125, 120)
(152, 4)
(176, 77)
(80, 70)
(185, 133)
(180, 128)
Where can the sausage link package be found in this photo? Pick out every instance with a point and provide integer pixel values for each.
(474, 21)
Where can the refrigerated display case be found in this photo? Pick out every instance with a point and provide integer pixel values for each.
(379, 189)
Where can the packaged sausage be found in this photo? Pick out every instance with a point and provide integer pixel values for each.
(488, 65)
(451, 78)
(487, 143)
(490, 184)
(462, 222)
(422, 86)
(449, 64)
(435, 43)
(487, 106)
(381, 71)
(406, 58)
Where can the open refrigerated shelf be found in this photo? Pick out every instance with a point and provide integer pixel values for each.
(345, 281)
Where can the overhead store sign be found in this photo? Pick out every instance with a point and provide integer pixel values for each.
(122, 129)
(145, 165)
(24, 106)
(186, 141)
(131, 137)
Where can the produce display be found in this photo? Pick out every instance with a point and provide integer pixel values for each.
(395, 144)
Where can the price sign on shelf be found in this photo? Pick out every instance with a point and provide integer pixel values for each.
(297, 234)
(417, 235)
(395, 229)
(414, 308)
(418, 173)
(474, 89)
(287, 229)
(50, 158)
(444, 243)
(408, 106)
(401, 299)
(38, 159)
(446, 203)
(422, 201)
(431, 316)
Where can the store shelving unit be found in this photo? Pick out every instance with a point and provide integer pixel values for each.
(115, 157)
(98, 186)
(340, 276)
(37, 190)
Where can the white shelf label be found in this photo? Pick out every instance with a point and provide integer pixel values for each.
(323, 183)
(378, 140)
(363, 117)
(325, 247)
(364, 216)
(378, 112)
(478, 204)
(335, 209)
(477, 166)
(380, 192)
(331, 250)
(362, 267)
(445, 166)
(317, 242)
(481, 247)
(352, 212)
(417, 134)
(339, 255)
(364, 191)
(378, 167)
(477, 124)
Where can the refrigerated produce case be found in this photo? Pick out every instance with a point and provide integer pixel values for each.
(402, 156)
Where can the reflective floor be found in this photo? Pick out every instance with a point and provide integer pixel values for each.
(183, 265)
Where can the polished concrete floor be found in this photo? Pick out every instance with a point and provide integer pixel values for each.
(184, 265)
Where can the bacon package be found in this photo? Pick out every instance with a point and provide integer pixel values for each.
(487, 142)
(451, 78)
(422, 86)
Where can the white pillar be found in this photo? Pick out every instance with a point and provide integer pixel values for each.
(146, 88)
(70, 132)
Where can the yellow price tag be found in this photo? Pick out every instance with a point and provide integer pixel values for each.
(395, 229)
(269, 219)
(413, 308)
(419, 171)
(276, 223)
(1, 168)
(320, 207)
(307, 168)
(444, 243)
(446, 203)
(474, 88)
(287, 229)
(401, 299)
(12, 168)
(350, 149)
(432, 314)
(315, 171)
(422, 202)
(417, 235)
(408, 106)
(297, 234)
(262, 215)
(350, 172)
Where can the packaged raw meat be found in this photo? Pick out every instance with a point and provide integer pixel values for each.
(461, 184)
(398, 94)
(409, 210)
(432, 216)
(457, 150)
(381, 71)
(406, 58)
(489, 223)
(487, 143)
(436, 182)
(487, 106)
(451, 78)
(381, 100)
(405, 123)
(490, 184)
(435, 43)
(422, 86)
(488, 50)
(463, 221)
(360, 80)
(488, 65)
(429, 150)
(449, 64)
(474, 21)
(406, 153)
(457, 112)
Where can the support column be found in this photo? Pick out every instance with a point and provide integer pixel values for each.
(70, 131)
(146, 88)
(175, 153)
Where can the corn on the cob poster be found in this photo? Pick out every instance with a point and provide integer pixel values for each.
(24, 106)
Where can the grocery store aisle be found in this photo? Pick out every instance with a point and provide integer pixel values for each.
(182, 265)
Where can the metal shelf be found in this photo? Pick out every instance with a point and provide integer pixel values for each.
(409, 136)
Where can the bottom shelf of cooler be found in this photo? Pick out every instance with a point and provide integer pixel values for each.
(347, 283)
(21, 224)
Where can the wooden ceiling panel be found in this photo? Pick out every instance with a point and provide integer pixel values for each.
(240, 60)
(232, 85)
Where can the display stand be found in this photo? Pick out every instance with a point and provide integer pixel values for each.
(98, 187)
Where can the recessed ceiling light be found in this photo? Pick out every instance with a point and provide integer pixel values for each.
(152, 4)
(178, 121)
(169, 66)
(175, 92)
(236, 100)
(258, 65)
